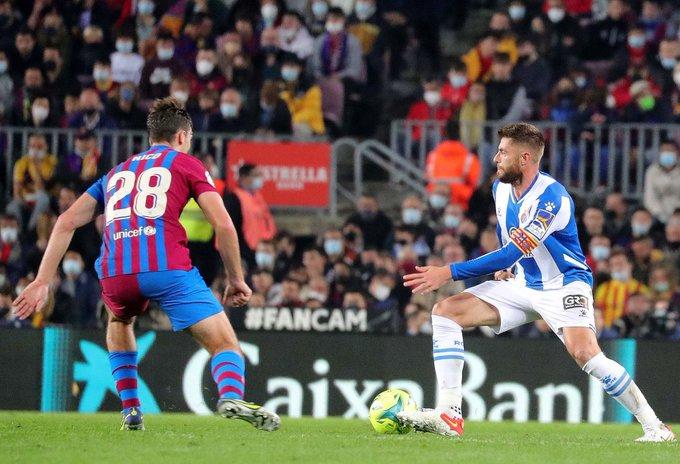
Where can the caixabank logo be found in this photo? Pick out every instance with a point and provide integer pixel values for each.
(319, 375)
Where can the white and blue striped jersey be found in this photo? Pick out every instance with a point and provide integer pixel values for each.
(538, 235)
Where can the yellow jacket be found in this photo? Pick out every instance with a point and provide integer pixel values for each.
(306, 108)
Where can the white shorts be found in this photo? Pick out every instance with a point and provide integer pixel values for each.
(569, 306)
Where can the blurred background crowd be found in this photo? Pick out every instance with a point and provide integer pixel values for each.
(318, 68)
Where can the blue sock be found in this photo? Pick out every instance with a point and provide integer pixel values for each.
(124, 370)
(228, 371)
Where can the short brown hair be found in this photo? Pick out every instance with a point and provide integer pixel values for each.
(167, 116)
(526, 134)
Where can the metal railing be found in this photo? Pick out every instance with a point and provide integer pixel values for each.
(117, 145)
(585, 158)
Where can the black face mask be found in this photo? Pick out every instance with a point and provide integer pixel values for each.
(90, 111)
(351, 236)
(50, 31)
(50, 65)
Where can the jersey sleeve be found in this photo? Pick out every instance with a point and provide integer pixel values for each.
(552, 213)
(197, 177)
(96, 190)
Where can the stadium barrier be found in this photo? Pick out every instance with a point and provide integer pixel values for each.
(586, 158)
(329, 374)
(299, 172)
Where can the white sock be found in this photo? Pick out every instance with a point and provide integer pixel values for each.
(447, 352)
(620, 386)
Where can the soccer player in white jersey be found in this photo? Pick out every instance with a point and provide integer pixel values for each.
(540, 272)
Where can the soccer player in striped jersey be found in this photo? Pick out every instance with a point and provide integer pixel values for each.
(144, 257)
(540, 272)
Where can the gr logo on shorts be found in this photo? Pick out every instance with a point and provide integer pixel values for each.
(575, 302)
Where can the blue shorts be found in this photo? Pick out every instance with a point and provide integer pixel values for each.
(182, 295)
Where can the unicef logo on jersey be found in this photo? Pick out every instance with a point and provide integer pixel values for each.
(139, 231)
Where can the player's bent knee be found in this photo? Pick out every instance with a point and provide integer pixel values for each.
(583, 354)
(450, 308)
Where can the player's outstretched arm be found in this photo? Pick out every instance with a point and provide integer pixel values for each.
(34, 296)
(430, 278)
(237, 292)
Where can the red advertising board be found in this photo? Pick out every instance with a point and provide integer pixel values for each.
(295, 173)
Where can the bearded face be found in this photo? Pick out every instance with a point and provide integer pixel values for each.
(507, 162)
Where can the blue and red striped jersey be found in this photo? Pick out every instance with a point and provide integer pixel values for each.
(143, 198)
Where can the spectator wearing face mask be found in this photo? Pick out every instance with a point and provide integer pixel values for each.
(77, 295)
(635, 53)
(179, 89)
(269, 114)
(520, 18)
(663, 64)
(91, 114)
(662, 183)
(206, 111)
(453, 164)
(316, 13)
(646, 105)
(663, 283)
(437, 201)
(24, 54)
(230, 118)
(455, 91)
(294, 36)
(376, 227)
(83, 164)
(413, 219)
(11, 256)
(33, 175)
(91, 50)
(33, 86)
(616, 224)
(126, 64)
(58, 78)
(383, 308)
(302, 97)
(159, 71)
(334, 246)
(103, 80)
(145, 19)
(597, 257)
(249, 211)
(431, 107)
(265, 255)
(611, 296)
(207, 75)
(41, 114)
(123, 108)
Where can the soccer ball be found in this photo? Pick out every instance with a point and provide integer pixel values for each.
(384, 409)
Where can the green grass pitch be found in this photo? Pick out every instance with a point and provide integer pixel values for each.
(183, 438)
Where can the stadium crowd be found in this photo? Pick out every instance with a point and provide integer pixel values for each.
(332, 68)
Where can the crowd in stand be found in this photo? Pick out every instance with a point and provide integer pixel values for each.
(339, 67)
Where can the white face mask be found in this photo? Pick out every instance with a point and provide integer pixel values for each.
(364, 10)
(257, 184)
(181, 96)
(72, 267)
(264, 260)
(39, 113)
(457, 81)
(8, 234)
(3, 66)
(36, 153)
(204, 67)
(432, 97)
(556, 15)
(124, 46)
(517, 12)
(228, 110)
(411, 216)
(451, 221)
(287, 34)
(269, 12)
(438, 201)
(381, 292)
(101, 74)
(334, 27)
(165, 53)
(319, 9)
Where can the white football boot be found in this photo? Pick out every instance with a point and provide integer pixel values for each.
(657, 435)
(447, 422)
